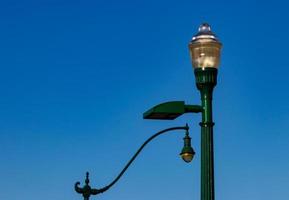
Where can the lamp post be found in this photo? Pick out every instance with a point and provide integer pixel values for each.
(187, 154)
(205, 51)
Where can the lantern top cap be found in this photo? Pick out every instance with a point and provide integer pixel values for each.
(204, 33)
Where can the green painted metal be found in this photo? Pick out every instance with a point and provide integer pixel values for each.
(168, 110)
(206, 80)
(193, 109)
(171, 110)
(87, 191)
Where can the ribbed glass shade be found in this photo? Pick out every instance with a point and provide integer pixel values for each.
(205, 48)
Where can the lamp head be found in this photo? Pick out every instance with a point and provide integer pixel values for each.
(166, 111)
(188, 152)
(205, 48)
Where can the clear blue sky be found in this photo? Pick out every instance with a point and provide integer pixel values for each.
(76, 76)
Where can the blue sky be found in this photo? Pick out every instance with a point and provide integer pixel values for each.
(76, 77)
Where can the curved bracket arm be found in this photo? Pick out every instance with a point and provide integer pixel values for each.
(77, 188)
(101, 190)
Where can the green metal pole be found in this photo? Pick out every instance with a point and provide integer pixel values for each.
(206, 79)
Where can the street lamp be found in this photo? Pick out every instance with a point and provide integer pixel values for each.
(205, 54)
(205, 49)
(187, 154)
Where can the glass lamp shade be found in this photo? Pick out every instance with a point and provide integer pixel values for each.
(205, 48)
(187, 157)
(188, 152)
